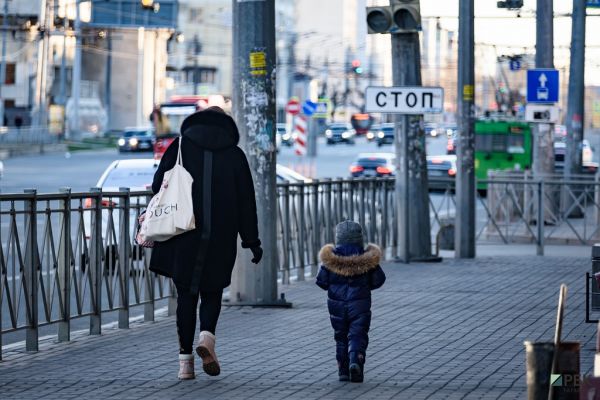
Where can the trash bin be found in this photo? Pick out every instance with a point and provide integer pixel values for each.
(445, 236)
(566, 379)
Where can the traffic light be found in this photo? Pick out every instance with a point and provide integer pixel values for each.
(356, 68)
(401, 16)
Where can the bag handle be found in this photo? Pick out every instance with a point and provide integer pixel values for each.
(179, 158)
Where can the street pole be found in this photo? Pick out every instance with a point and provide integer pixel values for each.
(254, 110)
(543, 148)
(3, 61)
(73, 127)
(575, 106)
(108, 79)
(465, 178)
(412, 195)
(62, 97)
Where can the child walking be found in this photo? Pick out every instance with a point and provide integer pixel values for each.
(349, 272)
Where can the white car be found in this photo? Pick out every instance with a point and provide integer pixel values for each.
(1, 169)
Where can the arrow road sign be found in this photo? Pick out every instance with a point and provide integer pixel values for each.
(542, 86)
(404, 99)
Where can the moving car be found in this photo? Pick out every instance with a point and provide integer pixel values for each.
(287, 138)
(385, 134)
(432, 130)
(136, 139)
(441, 170)
(372, 134)
(373, 165)
(340, 133)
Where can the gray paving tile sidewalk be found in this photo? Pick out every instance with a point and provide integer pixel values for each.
(449, 330)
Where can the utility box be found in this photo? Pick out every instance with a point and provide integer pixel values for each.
(595, 269)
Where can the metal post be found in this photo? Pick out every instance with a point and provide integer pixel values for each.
(254, 111)
(74, 125)
(540, 218)
(411, 181)
(301, 233)
(327, 210)
(351, 185)
(124, 256)
(316, 229)
(64, 267)
(96, 255)
(3, 59)
(286, 228)
(465, 179)
(362, 183)
(372, 210)
(575, 108)
(339, 200)
(30, 272)
(62, 96)
(108, 78)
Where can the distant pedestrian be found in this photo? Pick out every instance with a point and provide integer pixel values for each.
(349, 272)
(200, 261)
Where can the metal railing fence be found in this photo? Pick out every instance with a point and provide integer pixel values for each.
(69, 255)
(33, 135)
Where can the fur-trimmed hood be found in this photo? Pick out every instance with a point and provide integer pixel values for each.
(350, 265)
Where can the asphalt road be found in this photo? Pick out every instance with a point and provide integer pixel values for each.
(81, 170)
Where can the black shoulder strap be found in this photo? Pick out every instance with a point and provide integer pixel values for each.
(206, 222)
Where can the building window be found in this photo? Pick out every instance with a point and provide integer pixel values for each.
(11, 72)
(204, 74)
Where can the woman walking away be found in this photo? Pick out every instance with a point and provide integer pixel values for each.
(200, 261)
(349, 273)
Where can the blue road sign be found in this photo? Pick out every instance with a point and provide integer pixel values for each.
(515, 65)
(542, 86)
(309, 108)
(593, 3)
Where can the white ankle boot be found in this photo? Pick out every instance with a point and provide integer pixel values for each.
(206, 350)
(186, 366)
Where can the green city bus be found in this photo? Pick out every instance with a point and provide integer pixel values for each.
(501, 145)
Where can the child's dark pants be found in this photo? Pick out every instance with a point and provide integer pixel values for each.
(350, 322)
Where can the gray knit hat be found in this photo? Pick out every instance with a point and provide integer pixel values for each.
(349, 233)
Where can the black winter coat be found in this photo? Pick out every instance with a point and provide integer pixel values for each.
(349, 281)
(233, 203)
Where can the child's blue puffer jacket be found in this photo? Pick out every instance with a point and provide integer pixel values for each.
(349, 273)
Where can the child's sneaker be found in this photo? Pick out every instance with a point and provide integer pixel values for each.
(186, 366)
(357, 362)
(343, 371)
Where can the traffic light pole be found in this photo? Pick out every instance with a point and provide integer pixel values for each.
(575, 107)
(465, 178)
(254, 112)
(411, 181)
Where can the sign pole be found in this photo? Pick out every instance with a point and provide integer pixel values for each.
(543, 148)
(464, 237)
(411, 164)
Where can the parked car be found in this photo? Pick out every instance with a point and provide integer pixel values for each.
(136, 139)
(385, 134)
(135, 174)
(340, 133)
(373, 165)
(162, 143)
(441, 170)
(287, 174)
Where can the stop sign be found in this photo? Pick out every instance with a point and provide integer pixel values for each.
(293, 107)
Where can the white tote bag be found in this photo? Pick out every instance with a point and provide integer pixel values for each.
(171, 210)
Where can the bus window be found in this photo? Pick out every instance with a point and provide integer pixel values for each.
(499, 143)
(483, 143)
(516, 144)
